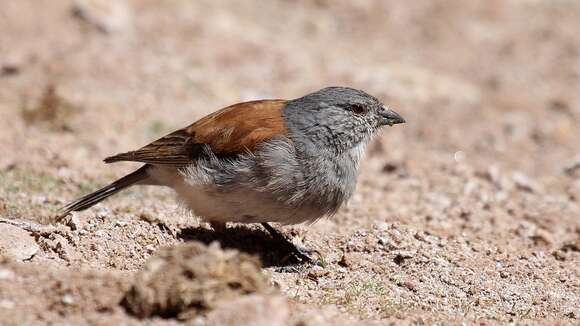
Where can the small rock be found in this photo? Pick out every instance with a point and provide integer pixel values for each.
(524, 183)
(560, 104)
(560, 255)
(390, 167)
(74, 222)
(317, 272)
(572, 245)
(492, 175)
(251, 310)
(571, 168)
(345, 261)
(426, 237)
(121, 223)
(6, 274)
(570, 314)
(7, 304)
(67, 299)
(542, 237)
(409, 285)
(402, 255)
(565, 252)
(10, 66)
(471, 290)
(150, 248)
(16, 243)
(104, 15)
(9, 70)
(63, 248)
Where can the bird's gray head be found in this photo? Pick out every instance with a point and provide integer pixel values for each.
(338, 117)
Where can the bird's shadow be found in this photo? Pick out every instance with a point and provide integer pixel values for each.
(252, 241)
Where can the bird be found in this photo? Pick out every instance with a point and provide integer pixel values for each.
(263, 161)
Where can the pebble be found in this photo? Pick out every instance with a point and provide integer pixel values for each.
(523, 182)
(16, 243)
(573, 166)
(68, 299)
(317, 272)
(410, 285)
(401, 255)
(6, 274)
(74, 222)
(345, 261)
(106, 16)
(7, 304)
(150, 248)
(542, 237)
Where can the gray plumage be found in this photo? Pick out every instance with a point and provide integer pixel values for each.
(299, 176)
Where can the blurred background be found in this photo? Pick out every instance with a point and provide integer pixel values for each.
(490, 90)
(496, 80)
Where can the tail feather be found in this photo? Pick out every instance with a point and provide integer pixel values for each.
(93, 198)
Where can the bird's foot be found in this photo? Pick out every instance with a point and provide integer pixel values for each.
(297, 254)
(219, 227)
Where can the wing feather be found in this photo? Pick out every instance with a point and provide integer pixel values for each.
(233, 130)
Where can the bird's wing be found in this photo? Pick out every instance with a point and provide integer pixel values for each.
(232, 130)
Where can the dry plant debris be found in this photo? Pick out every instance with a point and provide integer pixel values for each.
(192, 278)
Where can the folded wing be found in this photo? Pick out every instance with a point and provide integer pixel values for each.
(232, 130)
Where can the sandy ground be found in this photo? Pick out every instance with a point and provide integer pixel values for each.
(468, 213)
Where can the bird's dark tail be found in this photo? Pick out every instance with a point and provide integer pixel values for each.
(103, 193)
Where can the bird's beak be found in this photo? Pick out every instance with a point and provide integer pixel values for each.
(390, 117)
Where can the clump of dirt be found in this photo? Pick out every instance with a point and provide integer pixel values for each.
(190, 279)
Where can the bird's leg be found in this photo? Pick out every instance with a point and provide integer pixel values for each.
(301, 253)
(219, 227)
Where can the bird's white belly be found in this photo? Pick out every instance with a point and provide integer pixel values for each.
(241, 206)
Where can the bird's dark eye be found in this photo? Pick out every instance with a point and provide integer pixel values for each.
(358, 109)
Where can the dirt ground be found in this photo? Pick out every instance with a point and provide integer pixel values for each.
(469, 213)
